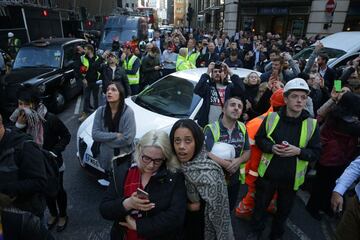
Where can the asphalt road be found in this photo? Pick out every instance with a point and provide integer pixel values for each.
(84, 196)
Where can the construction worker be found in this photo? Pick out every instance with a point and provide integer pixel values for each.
(233, 132)
(246, 205)
(181, 62)
(131, 63)
(289, 140)
(13, 45)
(89, 69)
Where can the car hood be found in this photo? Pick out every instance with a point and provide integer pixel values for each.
(23, 74)
(144, 119)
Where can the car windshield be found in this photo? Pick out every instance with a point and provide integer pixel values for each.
(171, 96)
(122, 35)
(38, 57)
(332, 52)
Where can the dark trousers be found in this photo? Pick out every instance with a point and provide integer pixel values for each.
(94, 90)
(57, 206)
(265, 189)
(323, 186)
(167, 71)
(194, 224)
(349, 226)
(233, 189)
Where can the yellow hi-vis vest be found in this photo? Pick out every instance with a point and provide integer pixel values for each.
(307, 130)
(192, 57)
(134, 79)
(183, 64)
(85, 62)
(215, 130)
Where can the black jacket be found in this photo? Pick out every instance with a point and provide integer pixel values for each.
(119, 76)
(148, 73)
(207, 59)
(203, 89)
(56, 134)
(94, 67)
(329, 78)
(28, 181)
(282, 169)
(166, 190)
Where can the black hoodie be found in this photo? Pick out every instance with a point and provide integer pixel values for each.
(28, 180)
(282, 169)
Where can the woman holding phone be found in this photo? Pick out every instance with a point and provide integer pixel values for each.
(146, 199)
(208, 215)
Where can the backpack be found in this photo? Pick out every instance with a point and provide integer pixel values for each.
(52, 165)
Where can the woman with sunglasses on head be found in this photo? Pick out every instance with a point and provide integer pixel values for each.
(146, 199)
(208, 214)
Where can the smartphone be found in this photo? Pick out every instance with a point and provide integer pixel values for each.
(337, 85)
(142, 194)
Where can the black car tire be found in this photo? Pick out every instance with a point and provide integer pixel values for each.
(58, 102)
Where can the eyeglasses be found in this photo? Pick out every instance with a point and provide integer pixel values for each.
(147, 160)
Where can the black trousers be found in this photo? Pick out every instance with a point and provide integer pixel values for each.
(265, 189)
(233, 189)
(57, 206)
(323, 185)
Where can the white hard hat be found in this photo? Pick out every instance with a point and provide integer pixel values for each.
(223, 150)
(10, 34)
(296, 84)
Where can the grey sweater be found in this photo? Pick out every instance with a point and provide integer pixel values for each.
(109, 140)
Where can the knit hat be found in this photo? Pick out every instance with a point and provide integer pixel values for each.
(277, 98)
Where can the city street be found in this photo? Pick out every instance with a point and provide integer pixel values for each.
(84, 196)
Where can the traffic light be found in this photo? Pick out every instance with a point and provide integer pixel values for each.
(44, 13)
(89, 23)
(83, 13)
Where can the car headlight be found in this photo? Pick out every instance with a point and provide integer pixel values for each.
(42, 88)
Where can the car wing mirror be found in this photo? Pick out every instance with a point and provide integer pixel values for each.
(69, 64)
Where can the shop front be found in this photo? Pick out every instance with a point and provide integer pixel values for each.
(280, 19)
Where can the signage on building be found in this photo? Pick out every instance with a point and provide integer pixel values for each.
(273, 11)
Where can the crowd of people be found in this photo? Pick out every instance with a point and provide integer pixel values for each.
(268, 131)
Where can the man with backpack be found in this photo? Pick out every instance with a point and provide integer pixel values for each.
(22, 180)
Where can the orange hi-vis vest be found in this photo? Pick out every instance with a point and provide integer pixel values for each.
(252, 128)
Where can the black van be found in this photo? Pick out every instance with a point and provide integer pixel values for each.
(123, 28)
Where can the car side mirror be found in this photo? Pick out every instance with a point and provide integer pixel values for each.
(69, 64)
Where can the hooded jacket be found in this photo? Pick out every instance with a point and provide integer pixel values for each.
(27, 179)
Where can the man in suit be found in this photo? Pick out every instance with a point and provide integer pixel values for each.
(210, 56)
(327, 73)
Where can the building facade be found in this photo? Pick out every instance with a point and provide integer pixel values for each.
(180, 12)
(298, 17)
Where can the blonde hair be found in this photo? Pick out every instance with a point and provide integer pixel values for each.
(246, 79)
(262, 88)
(159, 139)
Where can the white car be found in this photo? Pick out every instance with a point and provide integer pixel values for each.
(157, 107)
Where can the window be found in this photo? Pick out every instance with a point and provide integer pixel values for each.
(179, 10)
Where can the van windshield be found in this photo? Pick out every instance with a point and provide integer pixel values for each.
(332, 52)
(122, 35)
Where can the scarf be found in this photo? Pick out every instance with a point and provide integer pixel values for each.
(34, 121)
(204, 179)
(132, 182)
